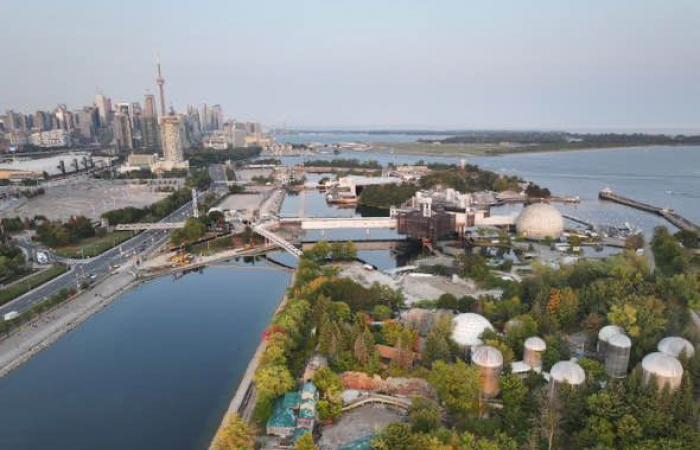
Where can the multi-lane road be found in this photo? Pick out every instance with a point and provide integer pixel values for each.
(99, 267)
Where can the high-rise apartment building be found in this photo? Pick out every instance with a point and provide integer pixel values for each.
(121, 125)
(173, 137)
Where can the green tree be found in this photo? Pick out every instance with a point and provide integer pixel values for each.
(457, 385)
(306, 442)
(424, 415)
(235, 435)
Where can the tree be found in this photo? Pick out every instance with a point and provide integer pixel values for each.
(458, 386)
(273, 381)
(397, 436)
(235, 435)
(381, 312)
(438, 344)
(424, 414)
(306, 442)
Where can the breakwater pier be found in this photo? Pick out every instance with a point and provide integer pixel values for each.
(672, 217)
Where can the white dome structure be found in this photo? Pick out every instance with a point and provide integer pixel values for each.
(468, 328)
(540, 221)
(675, 346)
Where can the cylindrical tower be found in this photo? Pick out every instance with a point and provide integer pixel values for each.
(532, 354)
(489, 360)
(675, 346)
(566, 372)
(604, 334)
(617, 355)
(666, 369)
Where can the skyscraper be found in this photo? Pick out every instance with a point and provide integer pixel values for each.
(104, 107)
(173, 148)
(149, 127)
(123, 133)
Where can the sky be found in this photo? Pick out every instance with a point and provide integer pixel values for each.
(577, 65)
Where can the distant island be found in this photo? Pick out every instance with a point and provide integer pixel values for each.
(495, 142)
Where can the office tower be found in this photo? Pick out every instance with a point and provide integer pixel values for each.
(161, 82)
(173, 148)
(121, 124)
(217, 117)
(64, 118)
(104, 106)
(41, 121)
(88, 120)
(149, 123)
(149, 106)
(15, 121)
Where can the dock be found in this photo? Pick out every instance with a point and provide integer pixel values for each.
(672, 217)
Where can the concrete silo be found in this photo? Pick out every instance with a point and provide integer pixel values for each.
(604, 335)
(489, 360)
(566, 372)
(617, 355)
(533, 352)
(675, 346)
(666, 369)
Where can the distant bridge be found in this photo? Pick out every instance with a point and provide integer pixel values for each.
(335, 223)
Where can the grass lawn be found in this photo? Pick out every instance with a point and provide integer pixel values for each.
(29, 282)
(93, 246)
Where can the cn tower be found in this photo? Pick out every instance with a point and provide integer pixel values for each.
(161, 81)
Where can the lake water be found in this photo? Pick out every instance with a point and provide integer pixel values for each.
(663, 176)
(155, 370)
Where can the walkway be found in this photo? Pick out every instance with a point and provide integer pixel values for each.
(672, 217)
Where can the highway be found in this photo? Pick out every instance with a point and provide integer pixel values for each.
(99, 267)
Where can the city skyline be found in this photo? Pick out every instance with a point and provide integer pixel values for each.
(550, 65)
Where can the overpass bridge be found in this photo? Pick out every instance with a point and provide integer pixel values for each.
(335, 223)
(149, 226)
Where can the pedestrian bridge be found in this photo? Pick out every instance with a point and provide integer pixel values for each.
(335, 223)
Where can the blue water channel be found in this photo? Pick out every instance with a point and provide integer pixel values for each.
(155, 370)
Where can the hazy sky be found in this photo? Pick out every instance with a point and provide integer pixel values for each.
(380, 63)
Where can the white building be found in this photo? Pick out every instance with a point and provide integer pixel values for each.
(52, 138)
